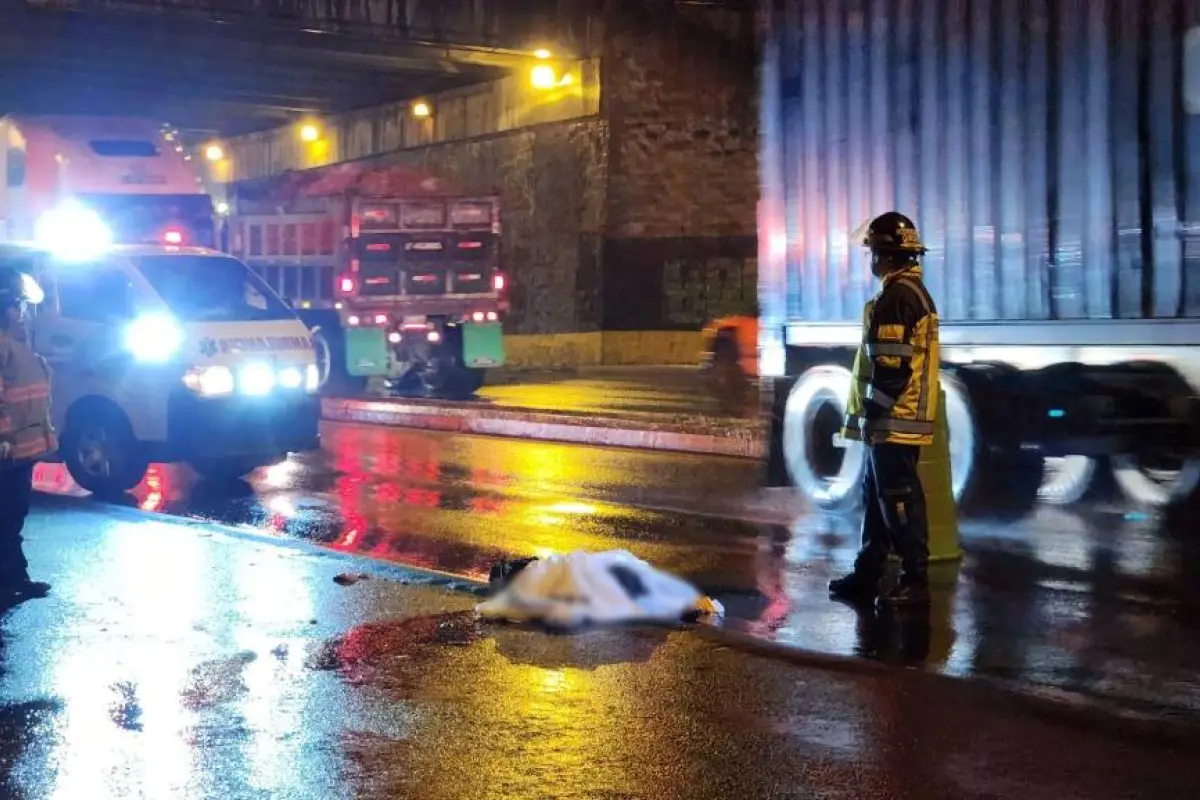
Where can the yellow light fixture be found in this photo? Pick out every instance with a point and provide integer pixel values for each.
(310, 133)
(421, 109)
(542, 53)
(214, 152)
(543, 76)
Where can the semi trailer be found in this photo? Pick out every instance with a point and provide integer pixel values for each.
(1049, 152)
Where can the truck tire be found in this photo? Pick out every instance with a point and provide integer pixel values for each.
(991, 476)
(335, 381)
(1068, 480)
(100, 450)
(1157, 487)
(829, 476)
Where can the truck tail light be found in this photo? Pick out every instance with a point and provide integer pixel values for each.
(172, 236)
(381, 319)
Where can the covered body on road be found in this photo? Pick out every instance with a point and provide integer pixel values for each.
(580, 588)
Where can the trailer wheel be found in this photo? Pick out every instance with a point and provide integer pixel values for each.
(963, 433)
(1067, 480)
(828, 475)
(1158, 485)
(990, 476)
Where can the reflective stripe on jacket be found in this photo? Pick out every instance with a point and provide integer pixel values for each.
(894, 396)
(24, 399)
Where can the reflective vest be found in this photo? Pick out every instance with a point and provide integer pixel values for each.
(894, 395)
(24, 399)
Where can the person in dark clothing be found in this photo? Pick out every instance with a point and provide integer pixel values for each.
(25, 434)
(892, 408)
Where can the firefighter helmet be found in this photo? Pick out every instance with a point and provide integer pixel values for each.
(894, 234)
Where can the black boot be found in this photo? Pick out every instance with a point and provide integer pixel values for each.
(31, 590)
(857, 587)
(912, 590)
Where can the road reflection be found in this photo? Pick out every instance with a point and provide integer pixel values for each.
(1097, 602)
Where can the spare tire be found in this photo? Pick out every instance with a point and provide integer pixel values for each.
(828, 475)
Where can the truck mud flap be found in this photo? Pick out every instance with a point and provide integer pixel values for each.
(366, 352)
(483, 345)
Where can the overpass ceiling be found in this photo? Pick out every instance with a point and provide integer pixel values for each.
(217, 76)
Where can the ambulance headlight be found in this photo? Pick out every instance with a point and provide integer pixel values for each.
(209, 381)
(154, 338)
(72, 232)
(256, 378)
(291, 377)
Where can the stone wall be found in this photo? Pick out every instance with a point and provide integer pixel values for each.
(680, 95)
(551, 182)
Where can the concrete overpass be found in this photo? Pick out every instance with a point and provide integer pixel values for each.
(628, 192)
(223, 67)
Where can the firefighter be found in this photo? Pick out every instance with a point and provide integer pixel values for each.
(25, 433)
(891, 409)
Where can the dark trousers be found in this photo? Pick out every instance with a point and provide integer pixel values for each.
(16, 489)
(894, 516)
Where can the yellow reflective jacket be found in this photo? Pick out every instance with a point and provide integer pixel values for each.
(894, 396)
(24, 399)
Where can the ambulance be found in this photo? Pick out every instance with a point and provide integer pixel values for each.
(161, 349)
(163, 353)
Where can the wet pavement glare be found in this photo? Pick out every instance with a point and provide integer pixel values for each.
(1100, 604)
(174, 660)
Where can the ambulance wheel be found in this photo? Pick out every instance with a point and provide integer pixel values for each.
(828, 475)
(100, 450)
(334, 380)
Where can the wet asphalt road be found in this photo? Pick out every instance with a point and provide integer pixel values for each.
(177, 661)
(679, 392)
(1099, 606)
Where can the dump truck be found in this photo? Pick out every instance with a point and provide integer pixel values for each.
(396, 273)
(1049, 153)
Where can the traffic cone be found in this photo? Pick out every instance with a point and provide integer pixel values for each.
(934, 469)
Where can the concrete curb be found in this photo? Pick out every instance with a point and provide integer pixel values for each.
(642, 433)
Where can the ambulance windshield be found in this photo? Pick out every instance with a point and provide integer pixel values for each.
(211, 289)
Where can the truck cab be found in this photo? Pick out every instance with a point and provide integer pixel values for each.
(167, 354)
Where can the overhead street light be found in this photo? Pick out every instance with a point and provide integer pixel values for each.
(543, 76)
(214, 152)
(421, 109)
(310, 133)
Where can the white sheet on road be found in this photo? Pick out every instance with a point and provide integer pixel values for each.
(579, 588)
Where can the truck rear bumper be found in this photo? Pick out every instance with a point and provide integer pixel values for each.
(269, 426)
